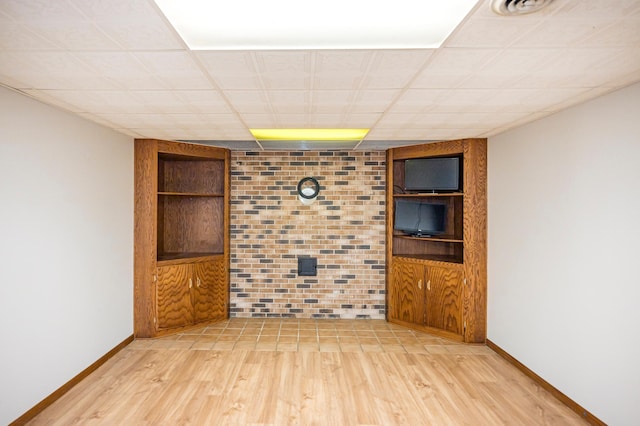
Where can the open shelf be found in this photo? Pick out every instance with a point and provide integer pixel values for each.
(427, 194)
(447, 258)
(175, 258)
(438, 238)
(181, 174)
(190, 224)
(190, 194)
(190, 206)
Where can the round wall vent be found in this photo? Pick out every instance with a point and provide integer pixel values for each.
(518, 7)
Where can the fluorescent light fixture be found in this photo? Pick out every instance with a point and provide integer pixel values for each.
(329, 24)
(309, 134)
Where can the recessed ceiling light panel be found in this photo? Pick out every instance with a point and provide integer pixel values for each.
(330, 24)
(309, 134)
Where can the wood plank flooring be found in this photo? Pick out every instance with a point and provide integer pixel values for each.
(306, 372)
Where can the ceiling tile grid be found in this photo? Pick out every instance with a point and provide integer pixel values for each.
(121, 64)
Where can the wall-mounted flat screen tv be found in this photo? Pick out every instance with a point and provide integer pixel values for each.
(420, 218)
(439, 174)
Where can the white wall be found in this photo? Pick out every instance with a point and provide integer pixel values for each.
(564, 228)
(66, 248)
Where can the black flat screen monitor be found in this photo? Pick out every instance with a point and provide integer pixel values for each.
(420, 218)
(432, 174)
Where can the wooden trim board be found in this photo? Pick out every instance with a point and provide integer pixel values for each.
(547, 386)
(58, 393)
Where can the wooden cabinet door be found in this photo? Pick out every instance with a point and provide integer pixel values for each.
(210, 290)
(173, 296)
(407, 292)
(444, 299)
(221, 290)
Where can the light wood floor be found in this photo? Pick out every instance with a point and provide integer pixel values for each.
(305, 372)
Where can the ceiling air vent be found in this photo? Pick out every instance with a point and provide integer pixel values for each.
(518, 7)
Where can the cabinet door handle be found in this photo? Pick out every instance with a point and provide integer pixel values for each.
(198, 281)
(420, 284)
(190, 283)
(429, 285)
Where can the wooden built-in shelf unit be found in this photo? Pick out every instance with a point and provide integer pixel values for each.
(181, 236)
(438, 283)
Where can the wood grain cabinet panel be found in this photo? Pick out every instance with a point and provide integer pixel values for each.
(210, 291)
(173, 300)
(444, 299)
(191, 293)
(426, 295)
(407, 293)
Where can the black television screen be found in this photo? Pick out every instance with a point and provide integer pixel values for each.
(420, 218)
(432, 174)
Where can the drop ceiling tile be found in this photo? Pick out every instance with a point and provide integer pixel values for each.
(116, 10)
(97, 101)
(340, 69)
(464, 101)
(204, 101)
(619, 32)
(152, 33)
(516, 61)
(360, 121)
(589, 9)
(293, 120)
(449, 67)
(298, 61)
(373, 101)
(284, 69)
(260, 121)
(162, 101)
(331, 101)
(46, 10)
(417, 100)
(122, 68)
(347, 61)
(205, 121)
(327, 121)
(176, 69)
(392, 121)
(524, 100)
(286, 81)
(248, 101)
(73, 35)
(558, 33)
(393, 69)
(136, 121)
(584, 96)
(424, 100)
(337, 81)
(231, 134)
(492, 32)
(567, 70)
(231, 70)
(63, 71)
(97, 119)
(286, 99)
(15, 36)
(53, 99)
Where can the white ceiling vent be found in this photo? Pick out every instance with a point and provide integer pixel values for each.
(518, 7)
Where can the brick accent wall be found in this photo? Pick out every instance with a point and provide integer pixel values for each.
(344, 229)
